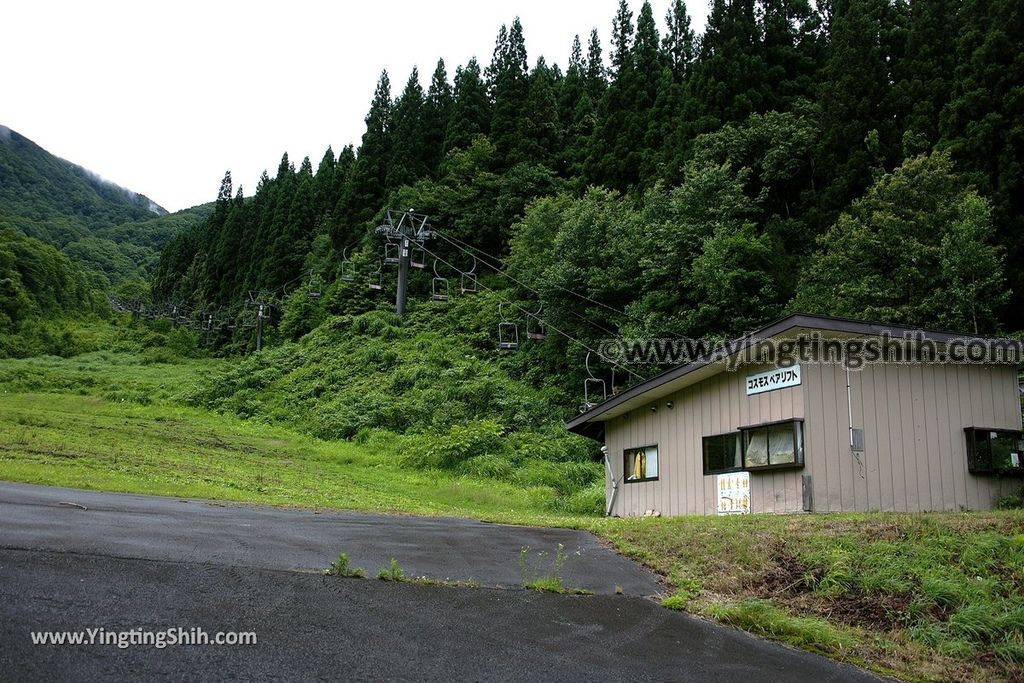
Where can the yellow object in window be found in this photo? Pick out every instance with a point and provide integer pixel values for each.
(639, 465)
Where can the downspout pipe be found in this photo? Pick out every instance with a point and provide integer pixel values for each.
(615, 484)
(849, 405)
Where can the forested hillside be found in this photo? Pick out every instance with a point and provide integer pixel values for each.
(56, 201)
(68, 239)
(858, 158)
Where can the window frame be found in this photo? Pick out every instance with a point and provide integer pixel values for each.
(970, 435)
(632, 451)
(737, 434)
(798, 453)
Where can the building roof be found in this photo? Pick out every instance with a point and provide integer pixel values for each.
(589, 423)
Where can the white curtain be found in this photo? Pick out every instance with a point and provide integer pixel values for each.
(780, 444)
(757, 447)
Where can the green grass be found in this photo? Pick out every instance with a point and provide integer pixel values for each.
(341, 567)
(90, 442)
(391, 572)
(924, 597)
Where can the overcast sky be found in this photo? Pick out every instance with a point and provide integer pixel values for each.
(163, 97)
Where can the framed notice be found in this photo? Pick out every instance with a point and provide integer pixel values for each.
(733, 493)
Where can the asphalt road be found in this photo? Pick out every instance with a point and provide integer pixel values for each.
(136, 562)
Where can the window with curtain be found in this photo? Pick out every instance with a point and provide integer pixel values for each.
(640, 464)
(774, 445)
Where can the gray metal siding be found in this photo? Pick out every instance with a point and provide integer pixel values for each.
(913, 417)
(914, 457)
(718, 405)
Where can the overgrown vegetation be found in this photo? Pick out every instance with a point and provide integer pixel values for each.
(925, 597)
(432, 399)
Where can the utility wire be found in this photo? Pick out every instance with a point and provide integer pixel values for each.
(547, 324)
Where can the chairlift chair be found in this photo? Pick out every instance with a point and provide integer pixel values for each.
(376, 283)
(508, 332)
(392, 253)
(508, 336)
(594, 391)
(594, 388)
(438, 286)
(418, 257)
(535, 327)
(347, 271)
(439, 289)
(468, 280)
(315, 290)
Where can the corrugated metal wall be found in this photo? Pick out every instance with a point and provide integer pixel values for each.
(912, 416)
(715, 406)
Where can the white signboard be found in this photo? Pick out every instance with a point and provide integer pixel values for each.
(770, 380)
(733, 493)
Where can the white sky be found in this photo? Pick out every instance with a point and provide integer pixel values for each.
(163, 97)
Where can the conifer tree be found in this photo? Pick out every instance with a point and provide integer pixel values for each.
(508, 84)
(409, 158)
(325, 183)
(594, 70)
(542, 132)
(622, 37)
(858, 116)
(367, 184)
(680, 42)
(471, 109)
(436, 112)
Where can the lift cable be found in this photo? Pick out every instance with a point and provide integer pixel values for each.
(549, 325)
(503, 273)
(464, 246)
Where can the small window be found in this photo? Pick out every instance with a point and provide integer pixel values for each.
(723, 453)
(993, 451)
(774, 445)
(640, 464)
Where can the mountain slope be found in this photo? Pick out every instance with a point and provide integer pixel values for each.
(57, 201)
(109, 231)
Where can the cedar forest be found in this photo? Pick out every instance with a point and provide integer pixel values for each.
(861, 159)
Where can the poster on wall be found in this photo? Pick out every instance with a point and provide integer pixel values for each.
(733, 493)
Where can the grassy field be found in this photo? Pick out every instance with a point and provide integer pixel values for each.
(923, 597)
(91, 442)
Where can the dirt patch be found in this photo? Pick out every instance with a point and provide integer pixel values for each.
(790, 581)
(876, 612)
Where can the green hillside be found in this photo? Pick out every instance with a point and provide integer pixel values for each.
(114, 235)
(56, 201)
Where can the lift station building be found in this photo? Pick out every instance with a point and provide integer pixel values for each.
(814, 435)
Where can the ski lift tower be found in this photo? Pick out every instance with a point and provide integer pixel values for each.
(410, 230)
